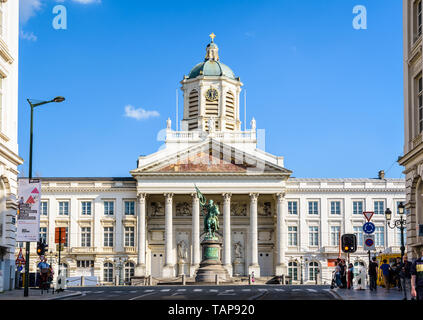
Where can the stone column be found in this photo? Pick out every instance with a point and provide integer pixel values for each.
(195, 232)
(280, 229)
(227, 260)
(254, 265)
(169, 267)
(140, 269)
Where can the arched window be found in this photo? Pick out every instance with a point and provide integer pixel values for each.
(293, 270)
(193, 106)
(108, 272)
(313, 268)
(129, 271)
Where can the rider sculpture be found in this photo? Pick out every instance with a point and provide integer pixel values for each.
(211, 212)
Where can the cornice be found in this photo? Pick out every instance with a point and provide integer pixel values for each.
(351, 190)
(90, 189)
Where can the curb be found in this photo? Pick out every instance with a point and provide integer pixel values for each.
(74, 294)
(336, 294)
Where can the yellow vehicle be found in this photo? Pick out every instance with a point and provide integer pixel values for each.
(391, 258)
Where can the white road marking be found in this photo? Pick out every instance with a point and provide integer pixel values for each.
(280, 290)
(148, 290)
(165, 290)
(246, 290)
(143, 295)
(198, 290)
(181, 290)
(262, 290)
(213, 290)
(312, 290)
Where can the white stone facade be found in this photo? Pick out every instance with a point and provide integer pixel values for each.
(412, 159)
(270, 224)
(9, 159)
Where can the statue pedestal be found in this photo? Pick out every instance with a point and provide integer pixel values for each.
(211, 264)
(239, 267)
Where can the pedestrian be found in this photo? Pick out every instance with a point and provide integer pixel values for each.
(343, 274)
(405, 276)
(386, 269)
(396, 273)
(252, 277)
(338, 274)
(350, 276)
(44, 273)
(373, 266)
(361, 277)
(417, 279)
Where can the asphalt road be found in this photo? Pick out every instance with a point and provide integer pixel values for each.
(194, 292)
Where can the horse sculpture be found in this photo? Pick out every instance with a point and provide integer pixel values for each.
(211, 212)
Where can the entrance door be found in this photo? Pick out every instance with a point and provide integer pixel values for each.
(266, 264)
(156, 264)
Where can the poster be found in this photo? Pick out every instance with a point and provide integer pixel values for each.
(28, 217)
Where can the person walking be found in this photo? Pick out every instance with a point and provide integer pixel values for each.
(350, 276)
(417, 279)
(343, 274)
(361, 277)
(396, 268)
(338, 274)
(386, 269)
(405, 276)
(373, 266)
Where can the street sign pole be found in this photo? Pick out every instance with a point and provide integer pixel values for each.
(60, 246)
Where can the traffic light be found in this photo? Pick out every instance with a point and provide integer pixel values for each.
(349, 243)
(41, 248)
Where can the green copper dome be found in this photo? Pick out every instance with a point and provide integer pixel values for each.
(211, 65)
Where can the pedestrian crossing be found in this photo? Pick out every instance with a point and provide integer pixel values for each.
(219, 291)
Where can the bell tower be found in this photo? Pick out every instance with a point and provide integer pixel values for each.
(211, 95)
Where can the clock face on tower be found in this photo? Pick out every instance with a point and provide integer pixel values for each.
(212, 95)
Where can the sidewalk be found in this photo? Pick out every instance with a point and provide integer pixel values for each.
(35, 294)
(380, 294)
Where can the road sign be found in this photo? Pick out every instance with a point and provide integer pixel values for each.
(369, 242)
(369, 227)
(20, 260)
(368, 215)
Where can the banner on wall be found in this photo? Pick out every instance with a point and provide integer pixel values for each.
(28, 216)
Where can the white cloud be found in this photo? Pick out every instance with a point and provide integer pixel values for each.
(28, 9)
(139, 114)
(30, 36)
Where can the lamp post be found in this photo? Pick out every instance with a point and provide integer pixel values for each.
(33, 105)
(399, 223)
(301, 268)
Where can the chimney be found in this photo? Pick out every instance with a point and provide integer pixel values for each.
(381, 174)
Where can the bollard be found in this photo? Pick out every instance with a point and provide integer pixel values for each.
(283, 279)
(82, 281)
(217, 279)
(249, 279)
(183, 280)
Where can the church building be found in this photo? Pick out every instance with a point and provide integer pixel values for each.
(270, 224)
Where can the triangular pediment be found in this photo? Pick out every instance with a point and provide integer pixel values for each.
(211, 157)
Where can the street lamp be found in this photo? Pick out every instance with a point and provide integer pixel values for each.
(33, 105)
(399, 223)
(301, 268)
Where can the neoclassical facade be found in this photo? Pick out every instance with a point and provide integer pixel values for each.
(270, 223)
(9, 158)
(412, 160)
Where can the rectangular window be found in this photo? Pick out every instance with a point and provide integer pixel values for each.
(358, 231)
(86, 208)
(109, 208)
(292, 207)
(380, 236)
(85, 263)
(379, 207)
(66, 244)
(43, 234)
(129, 208)
(129, 237)
(357, 207)
(314, 236)
(419, 18)
(334, 235)
(313, 207)
(44, 208)
(335, 207)
(108, 236)
(292, 236)
(63, 208)
(86, 237)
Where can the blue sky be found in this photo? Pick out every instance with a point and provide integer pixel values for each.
(329, 97)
